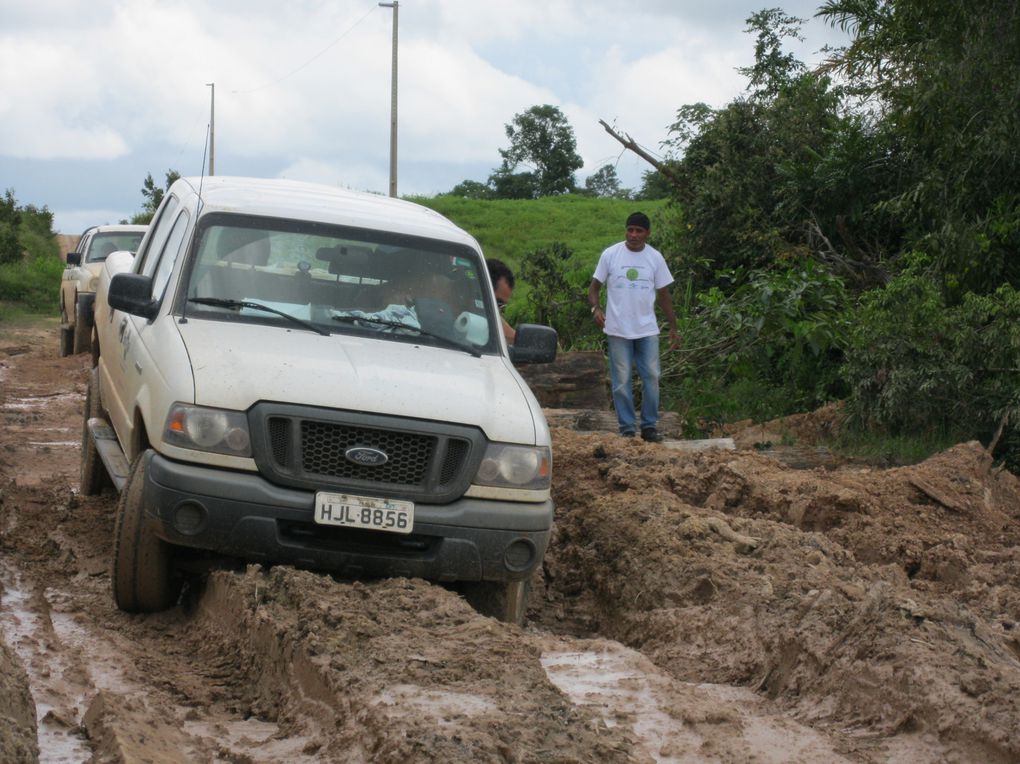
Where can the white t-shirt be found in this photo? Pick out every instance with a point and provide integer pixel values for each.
(631, 279)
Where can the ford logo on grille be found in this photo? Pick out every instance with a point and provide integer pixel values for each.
(365, 456)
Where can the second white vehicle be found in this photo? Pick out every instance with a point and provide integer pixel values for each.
(81, 276)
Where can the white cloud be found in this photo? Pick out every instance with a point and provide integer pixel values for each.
(305, 85)
(456, 103)
(356, 176)
(76, 221)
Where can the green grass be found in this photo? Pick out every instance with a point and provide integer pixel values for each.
(32, 286)
(508, 229)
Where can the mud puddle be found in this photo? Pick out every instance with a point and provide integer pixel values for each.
(676, 722)
(59, 697)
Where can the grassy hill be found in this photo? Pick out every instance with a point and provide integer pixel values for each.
(509, 228)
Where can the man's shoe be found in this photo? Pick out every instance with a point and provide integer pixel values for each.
(651, 435)
(626, 435)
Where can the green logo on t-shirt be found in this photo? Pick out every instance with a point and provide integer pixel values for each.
(632, 274)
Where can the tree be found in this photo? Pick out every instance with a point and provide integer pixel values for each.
(519, 185)
(153, 195)
(773, 67)
(781, 172)
(542, 140)
(9, 210)
(654, 185)
(471, 189)
(10, 219)
(605, 183)
(944, 75)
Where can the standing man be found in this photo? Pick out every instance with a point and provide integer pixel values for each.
(503, 285)
(636, 274)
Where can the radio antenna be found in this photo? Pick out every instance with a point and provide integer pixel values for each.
(201, 180)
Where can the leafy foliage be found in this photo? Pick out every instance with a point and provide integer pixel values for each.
(605, 182)
(542, 140)
(10, 219)
(558, 294)
(945, 76)
(153, 195)
(471, 189)
(29, 267)
(654, 185)
(769, 346)
(916, 363)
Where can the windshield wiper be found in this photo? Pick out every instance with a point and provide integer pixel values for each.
(446, 341)
(221, 302)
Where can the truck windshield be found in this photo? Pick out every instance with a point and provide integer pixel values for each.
(104, 244)
(348, 281)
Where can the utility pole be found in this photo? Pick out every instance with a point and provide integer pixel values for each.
(395, 5)
(212, 128)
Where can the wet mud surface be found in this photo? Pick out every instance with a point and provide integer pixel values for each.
(694, 607)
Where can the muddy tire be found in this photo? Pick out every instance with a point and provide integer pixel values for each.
(66, 341)
(93, 477)
(143, 576)
(504, 600)
(82, 329)
(95, 347)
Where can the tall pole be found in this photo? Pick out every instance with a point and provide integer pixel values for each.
(395, 5)
(212, 128)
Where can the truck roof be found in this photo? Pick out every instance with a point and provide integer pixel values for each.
(121, 228)
(297, 200)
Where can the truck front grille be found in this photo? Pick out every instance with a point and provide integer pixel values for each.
(323, 445)
(427, 462)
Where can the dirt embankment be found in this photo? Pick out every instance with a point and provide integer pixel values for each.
(883, 602)
(707, 607)
(67, 243)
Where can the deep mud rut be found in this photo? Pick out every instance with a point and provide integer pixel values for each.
(693, 607)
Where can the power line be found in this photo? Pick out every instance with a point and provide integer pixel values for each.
(309, 61)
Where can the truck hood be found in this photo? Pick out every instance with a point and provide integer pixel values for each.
(238, 365)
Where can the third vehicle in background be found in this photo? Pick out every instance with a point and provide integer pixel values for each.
(78, 283)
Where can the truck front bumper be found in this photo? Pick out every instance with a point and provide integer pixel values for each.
(242, 515)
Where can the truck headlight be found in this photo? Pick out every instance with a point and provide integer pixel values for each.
(507, 466)
(93, 284)
(208, 429)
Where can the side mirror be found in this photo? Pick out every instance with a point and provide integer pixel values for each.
(534, 344)
(132, 293)
(74, 258)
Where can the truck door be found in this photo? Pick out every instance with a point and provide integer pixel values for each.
(120, 366)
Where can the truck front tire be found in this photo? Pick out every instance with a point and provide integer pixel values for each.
(504, 600)
(143, 576)
(66, 341)
(82, 328)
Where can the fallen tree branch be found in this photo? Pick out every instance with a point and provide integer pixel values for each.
(937, 496)
(630, 143)
(998, 433)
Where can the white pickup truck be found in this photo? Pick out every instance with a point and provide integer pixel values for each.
(298, 374)
(81, 276)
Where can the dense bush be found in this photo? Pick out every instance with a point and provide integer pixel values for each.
(770, 346)
(34, 283)
(29, 264)
(916, 364)
(558, 295)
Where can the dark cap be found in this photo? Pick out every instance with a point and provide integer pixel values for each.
(640, 220)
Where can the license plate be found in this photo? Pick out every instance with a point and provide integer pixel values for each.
(392, 515)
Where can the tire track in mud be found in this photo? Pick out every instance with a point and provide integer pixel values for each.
(285, 665)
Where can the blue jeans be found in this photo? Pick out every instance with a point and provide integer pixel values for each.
(624, 354)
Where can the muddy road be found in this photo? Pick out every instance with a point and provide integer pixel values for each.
(711, 607)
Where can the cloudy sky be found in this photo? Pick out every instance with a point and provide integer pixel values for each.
(94, 95)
